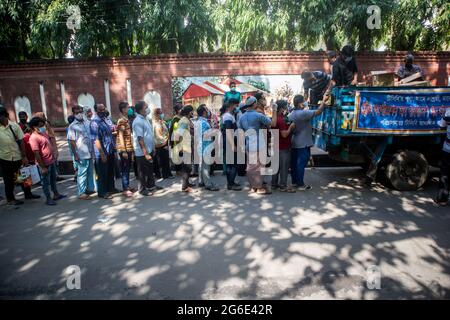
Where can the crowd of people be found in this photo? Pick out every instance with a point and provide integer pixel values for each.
(142, 141)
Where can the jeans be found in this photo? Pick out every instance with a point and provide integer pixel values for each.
(105, 175)
(49, 181)
(205, 174)
(230, 169)
(125, 167)
(444, 183)
(85, 176)
(300, 158)
(280, 178)
(145, 174)
(9, 169)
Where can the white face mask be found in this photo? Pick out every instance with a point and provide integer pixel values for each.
(79, 117)
(147, 111)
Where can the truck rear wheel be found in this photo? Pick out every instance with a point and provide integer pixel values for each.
(408, 170)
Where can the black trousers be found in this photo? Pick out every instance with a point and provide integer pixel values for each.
(444, 183)
(145, 174)
(163, 160)
(186, 169)
(105, 175)
(9, 169)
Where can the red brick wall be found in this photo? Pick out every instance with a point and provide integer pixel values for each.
(156, 72)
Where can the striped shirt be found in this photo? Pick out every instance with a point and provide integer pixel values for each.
(123, 128)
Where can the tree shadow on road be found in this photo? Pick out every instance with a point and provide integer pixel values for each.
(316, 244)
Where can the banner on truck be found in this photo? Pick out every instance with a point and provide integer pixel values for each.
(400, 112)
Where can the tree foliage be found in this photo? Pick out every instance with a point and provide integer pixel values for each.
(37, 28)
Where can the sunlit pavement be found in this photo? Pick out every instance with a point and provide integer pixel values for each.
(218, 245)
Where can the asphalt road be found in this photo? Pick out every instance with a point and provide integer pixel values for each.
(321, 244)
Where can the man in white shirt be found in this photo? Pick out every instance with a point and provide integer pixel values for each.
(79, 137)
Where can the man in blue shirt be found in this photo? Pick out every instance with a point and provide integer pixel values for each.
(143, 149)
(105, 150)
(232, 94)
(302, 140)
(444, 181)
(252, 122)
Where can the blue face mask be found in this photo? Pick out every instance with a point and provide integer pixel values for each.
(42, 129)
(161, 116)
(232, 89)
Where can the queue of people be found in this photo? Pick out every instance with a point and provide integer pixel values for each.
(142, 141)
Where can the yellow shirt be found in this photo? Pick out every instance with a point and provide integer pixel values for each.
(9, 150)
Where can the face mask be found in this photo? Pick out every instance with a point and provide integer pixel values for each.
(348, 59)
(42, 129)
(130, 113)
(232, 89)
(79, 117)
(161, 116)
(408, 64)
(23, 121)
(102, 115)
(147, 111)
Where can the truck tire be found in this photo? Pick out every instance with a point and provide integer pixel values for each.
(407, 170)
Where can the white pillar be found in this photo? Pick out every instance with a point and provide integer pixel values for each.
(63, 99)
(130, 101)
(107, 96)
(42, 95)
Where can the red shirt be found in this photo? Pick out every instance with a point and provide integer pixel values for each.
(41, 142)
(285, 143)
(28, 151)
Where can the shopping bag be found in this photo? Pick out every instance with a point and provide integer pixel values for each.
(35, 174)
(30, 175)
(24, 177)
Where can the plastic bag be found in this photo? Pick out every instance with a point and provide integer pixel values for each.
(30, 175)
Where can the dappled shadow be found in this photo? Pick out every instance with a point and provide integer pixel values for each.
(315, 244)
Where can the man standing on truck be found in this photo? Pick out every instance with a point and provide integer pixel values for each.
(444, 183)
(314, 85)
(344, 71)
(302, 140)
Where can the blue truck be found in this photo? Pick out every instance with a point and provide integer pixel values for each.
(386, 130)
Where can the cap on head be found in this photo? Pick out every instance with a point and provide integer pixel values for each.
(250, 101)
